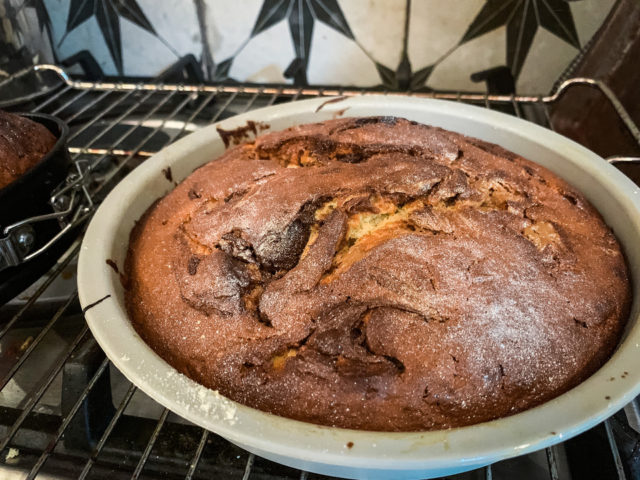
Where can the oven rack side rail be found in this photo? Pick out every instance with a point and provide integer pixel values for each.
(66, 83)
(99, 109)
(295, 92)
(72, 204)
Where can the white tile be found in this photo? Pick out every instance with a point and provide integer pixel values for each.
(548, 57)
(484, 52)
(177, 27)
(588, 15)
(85, 36)
(435, 27)
(229, 25)
(31, 33)
(58, 10)
(143, 54)
(265, 56)
(378, 26)
(350, 67)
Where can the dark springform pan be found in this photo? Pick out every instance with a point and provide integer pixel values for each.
(28, 196)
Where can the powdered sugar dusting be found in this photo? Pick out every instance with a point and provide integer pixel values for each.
(203, 400)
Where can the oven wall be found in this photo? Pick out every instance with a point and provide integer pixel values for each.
(443, 45)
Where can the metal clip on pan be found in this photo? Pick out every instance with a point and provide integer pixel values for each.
(37, 210)
(17, 245)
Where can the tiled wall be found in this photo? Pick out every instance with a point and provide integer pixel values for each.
(439, 44)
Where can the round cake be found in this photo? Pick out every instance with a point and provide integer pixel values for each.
(380, 274)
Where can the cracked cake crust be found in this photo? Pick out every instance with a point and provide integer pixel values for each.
(378, 274)
(23, 143)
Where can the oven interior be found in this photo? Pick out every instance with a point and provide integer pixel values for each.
(66, 412)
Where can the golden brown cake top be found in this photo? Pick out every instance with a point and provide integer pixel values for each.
(23, 143)
(380, 274)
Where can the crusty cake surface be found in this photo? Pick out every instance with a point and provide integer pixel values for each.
(23, 143)
(379, 274)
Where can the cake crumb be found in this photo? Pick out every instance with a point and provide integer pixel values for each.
(12, 455)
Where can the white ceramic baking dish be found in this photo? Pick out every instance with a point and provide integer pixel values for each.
(342, 452)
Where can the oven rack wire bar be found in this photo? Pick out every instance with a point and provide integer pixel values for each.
(112, 106)
(83, 87)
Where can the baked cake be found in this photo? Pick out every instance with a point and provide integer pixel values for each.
(380, 274)
(23, 143)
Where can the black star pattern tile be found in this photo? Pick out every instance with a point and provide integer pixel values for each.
(404, 78)
(522, 19)
(301, 15)
(107, 14)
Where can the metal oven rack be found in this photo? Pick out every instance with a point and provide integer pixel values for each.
(65, 412)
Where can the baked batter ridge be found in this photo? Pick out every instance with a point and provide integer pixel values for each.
(379, 274)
